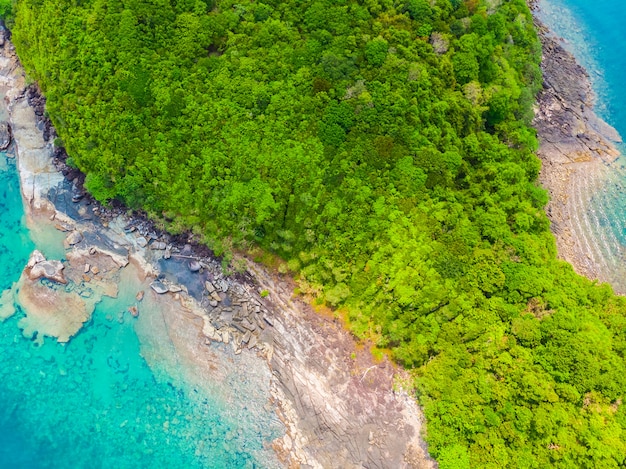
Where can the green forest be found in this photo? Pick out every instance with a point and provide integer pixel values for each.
(384, 150)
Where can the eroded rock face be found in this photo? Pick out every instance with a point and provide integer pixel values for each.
(38, 267)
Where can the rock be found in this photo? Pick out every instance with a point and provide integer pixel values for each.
(167, 254)
(38, 267)
(142, 242)
(74, 237)
(194, 266)
(52, 312)
(175, 288)
(35, 258)
(252, 342)
(139, 295)
(248, 325)
(209, 286)
(158, 287)
(63, 227)
(134, 311)
(213, 303)
(95, 270)
(158, 245)
(5, 136)
(215, 296)
(87, 267)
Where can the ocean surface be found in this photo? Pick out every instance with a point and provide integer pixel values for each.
(95, 402)
(595, 33)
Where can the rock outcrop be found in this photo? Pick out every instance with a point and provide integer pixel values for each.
(39, 267)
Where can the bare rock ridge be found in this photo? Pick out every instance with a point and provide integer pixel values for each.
(339, 406)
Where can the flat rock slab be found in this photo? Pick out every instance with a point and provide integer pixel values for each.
(51, 311)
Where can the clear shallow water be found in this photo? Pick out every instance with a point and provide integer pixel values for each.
(595, 33)
(94, 402)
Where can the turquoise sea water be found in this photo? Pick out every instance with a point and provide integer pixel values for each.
(95, 402)
(595, 33)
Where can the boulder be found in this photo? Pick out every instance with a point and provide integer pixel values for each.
(5, 136)
(74, 238)
(38, 267)
(194, 266)
(159, 287)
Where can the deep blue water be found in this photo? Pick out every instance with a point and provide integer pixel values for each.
(94, 402)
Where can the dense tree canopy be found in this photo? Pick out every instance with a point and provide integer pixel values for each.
(384, 150)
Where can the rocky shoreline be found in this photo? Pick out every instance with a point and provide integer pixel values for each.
(340, 407)
(577, 150)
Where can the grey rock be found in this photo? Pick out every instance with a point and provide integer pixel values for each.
(216, 297)
(159, 287)
(252, 342)
(74, 237)
(194, 266)
(5, 135)
(142, 242)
